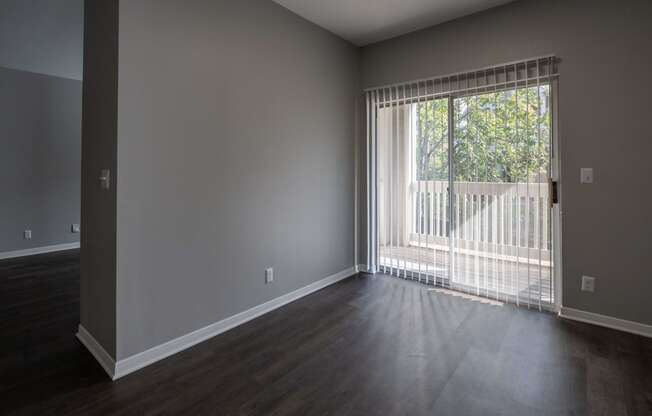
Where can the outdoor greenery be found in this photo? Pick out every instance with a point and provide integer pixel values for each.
(501, 136)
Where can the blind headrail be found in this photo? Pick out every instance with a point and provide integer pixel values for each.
(544, 62)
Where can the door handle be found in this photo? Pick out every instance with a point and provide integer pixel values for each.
(553, 192)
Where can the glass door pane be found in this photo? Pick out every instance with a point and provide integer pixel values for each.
(462, 190)
(413, 225)
(501, 218)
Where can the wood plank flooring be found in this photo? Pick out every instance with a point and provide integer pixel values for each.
(365, 346)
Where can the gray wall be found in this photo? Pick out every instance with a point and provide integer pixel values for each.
(605, 85)
(43, 36)
(40, 121)
(40, 158)
(99, 151)
(235, 153)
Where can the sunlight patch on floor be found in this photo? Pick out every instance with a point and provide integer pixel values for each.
(467, 296)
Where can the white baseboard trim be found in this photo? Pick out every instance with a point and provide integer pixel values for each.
(37, 250)
(104, 358)
(606, 321)
(136, 362)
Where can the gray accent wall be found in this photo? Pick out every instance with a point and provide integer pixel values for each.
(604, 113)
(43, 36)
(40, 121)
(235, 152)
(40, 159)
(99, 151)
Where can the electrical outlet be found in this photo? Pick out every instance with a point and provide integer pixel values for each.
(27, 234)
(588, 284)
(269, 275)
(74, 228)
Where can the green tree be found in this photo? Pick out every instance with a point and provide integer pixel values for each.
(501, 136)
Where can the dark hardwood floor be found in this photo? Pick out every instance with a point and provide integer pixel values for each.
(365, 346)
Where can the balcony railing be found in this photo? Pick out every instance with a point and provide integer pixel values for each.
(497, 219)
(499, 233)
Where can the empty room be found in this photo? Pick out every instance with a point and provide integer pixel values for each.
(305, 207)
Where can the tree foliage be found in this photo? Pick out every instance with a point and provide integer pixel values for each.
(501, 136)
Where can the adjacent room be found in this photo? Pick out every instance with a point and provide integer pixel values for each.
(304, 207)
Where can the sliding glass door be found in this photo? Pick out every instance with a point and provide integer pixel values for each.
(463, 196)
(502, 245)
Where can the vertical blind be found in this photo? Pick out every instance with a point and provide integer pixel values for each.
(458, 171)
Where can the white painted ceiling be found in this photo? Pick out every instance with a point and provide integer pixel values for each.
(367, 21)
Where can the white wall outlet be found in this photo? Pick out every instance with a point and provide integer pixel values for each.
(269, 275)
(586, 175)
(588, 284)
(27, 234)
(74, 228)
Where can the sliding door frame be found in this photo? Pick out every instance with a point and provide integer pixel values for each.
(557, 211)
(555, 175)
(373, 257)
(451, 189)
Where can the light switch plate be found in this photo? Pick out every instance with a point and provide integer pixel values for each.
(105, 179)
(588, 284)
(586, 175)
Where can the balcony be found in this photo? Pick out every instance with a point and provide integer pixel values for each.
(497, 242)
